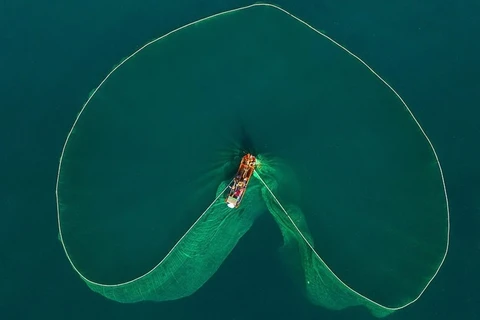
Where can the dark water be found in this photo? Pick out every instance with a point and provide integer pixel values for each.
(54, 54)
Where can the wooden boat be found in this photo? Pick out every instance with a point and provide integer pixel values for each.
(240, 182)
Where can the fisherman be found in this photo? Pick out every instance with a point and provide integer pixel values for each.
(237, 192)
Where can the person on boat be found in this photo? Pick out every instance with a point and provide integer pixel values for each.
(237, 192)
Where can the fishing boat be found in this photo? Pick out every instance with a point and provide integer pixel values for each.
(240, 182)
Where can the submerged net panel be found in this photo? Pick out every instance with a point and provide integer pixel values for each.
(320, 285)
(196, 257)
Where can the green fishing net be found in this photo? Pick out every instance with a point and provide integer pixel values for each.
(344, 168)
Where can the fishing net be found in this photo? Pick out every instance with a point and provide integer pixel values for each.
(343, 167)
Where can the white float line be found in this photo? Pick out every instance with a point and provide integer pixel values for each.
(312, 28)
(447, 245)
(75, 123)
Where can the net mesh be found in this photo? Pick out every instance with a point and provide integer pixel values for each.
(195, 257)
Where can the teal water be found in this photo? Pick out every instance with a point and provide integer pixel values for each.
(55, 57)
